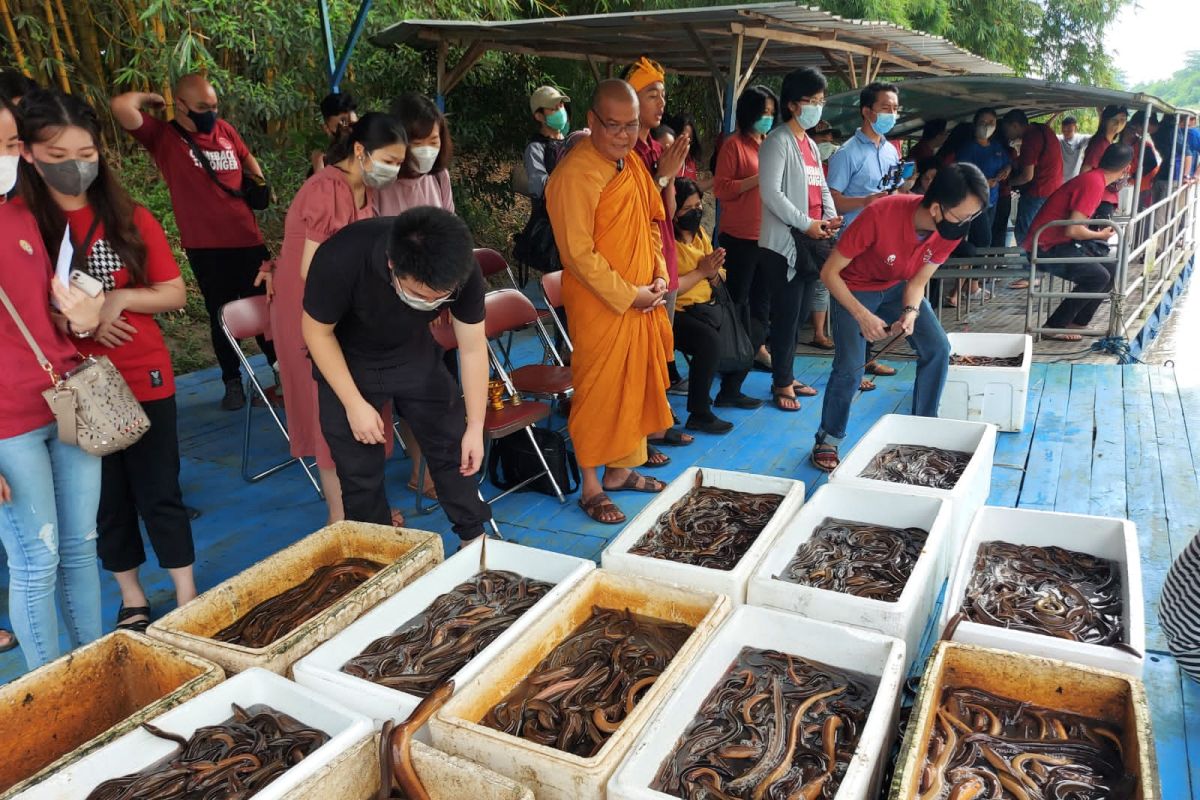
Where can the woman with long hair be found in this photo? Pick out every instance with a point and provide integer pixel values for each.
(366, 158)
(77, 199)
(48, 490)
(1112, 122)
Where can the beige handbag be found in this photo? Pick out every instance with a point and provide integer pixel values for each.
(94, 407)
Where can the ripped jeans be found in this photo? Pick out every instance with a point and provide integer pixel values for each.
(49, 535)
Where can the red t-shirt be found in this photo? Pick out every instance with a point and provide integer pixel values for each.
(1082, 193)
(207, 217)
(814, 174)
(25, 277)
(650, 152)
(1096, 148)
(1040, 147)
(144, 362)
(884, 248)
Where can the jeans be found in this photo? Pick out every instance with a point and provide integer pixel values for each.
(224, 275)
(928, 340)
(49, 536)
(1027, 208)
(1088, 276)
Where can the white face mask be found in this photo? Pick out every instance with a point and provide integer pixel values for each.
(826, 149)
(378, 174)
(8, 173)
(416, 303)
(424, 155)
(984, 131)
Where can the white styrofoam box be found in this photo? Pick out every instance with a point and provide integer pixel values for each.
(972, 489)
(139, 748)
(1104, 537)
(988, 394)
(321, 669)
(904, 618)
(617, 558)
(861, 651)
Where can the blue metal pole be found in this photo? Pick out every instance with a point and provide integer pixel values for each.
(327, 35)
(440, 100)
(360, 22)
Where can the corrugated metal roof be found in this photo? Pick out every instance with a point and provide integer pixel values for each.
(957, 98)
(695, 40)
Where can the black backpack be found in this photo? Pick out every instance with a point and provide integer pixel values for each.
(513, 460)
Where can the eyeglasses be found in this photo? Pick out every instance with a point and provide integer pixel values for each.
(617, 128)
(946, 215)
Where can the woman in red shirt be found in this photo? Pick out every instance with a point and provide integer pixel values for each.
(1112, 122)
(367, 157)
(73, 193)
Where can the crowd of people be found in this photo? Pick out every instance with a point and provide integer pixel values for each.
(838, 236)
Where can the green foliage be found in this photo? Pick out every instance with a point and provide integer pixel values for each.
(1182, 88)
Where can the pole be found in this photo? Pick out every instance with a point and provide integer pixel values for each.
(360, 22)
(327, 35)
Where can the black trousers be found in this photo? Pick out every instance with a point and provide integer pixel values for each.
(1000, 221)
(143, 481)
(747, 284)
(428, 398)
(227, 274)
(702, 342)
(1087, 277)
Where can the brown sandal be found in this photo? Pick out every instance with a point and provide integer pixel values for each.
(825, 457)
(599, 505)
(635, 482)
(883, 370)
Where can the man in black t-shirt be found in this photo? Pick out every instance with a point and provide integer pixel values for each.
(372, 291)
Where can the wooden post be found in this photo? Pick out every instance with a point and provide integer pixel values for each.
(469, 59)
(442, 51)
(749, 73)
(596, 76)
(735, 80)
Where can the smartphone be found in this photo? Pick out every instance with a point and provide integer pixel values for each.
(907, 172)
(92, 287)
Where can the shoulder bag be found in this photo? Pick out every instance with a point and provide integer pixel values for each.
(254, 191)
(513, 462)
(810, 253)
(732, 322)
(94, 407)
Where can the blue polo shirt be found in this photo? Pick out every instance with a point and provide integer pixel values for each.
(858, 168)
(990, 158)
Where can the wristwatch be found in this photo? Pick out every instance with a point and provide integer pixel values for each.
(664, 181)
(916, 311)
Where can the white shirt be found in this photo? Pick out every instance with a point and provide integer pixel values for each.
(1072, 153)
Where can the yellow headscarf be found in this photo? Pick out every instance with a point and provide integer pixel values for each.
(644, 73)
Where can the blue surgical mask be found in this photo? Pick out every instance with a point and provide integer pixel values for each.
(809, 115)
(764, 125)
(884, 123)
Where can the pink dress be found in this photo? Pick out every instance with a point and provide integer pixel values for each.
(323, 206)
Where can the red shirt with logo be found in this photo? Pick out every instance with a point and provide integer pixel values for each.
(25, 276)
(813, 174)
(1040, 147)
(207, 216)
(884, 248)
(144, 362)
(1082, 193)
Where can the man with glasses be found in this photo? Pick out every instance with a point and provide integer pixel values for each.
(372, 292)
(606, 210)
(877, 275)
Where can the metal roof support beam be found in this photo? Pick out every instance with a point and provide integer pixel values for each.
(735, 79)
(337, 68)
(717, 75)
(470, 58)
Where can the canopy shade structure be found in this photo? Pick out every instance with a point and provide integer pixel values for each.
(957, 98)
(728, 43)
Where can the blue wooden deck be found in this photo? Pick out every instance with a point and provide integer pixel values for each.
(1120, 441)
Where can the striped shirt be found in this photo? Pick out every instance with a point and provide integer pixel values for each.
(1180, 609)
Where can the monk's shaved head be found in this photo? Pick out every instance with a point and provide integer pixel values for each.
(613, 119)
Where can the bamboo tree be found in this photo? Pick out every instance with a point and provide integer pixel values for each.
(11, 31)
(60, 59)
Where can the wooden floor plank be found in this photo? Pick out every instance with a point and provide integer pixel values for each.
(1012, 449)
(1045, 452)
(1191, 724)
(1075, 468)
(1181, 493)
(1164, 691)
(1107, 492)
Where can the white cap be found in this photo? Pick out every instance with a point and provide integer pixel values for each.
(546, 97)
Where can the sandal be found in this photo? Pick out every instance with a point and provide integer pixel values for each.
(825, 457)
(635, 482)
(124, 615)
(802, 389)
(672, 438)
(821, 345)
(599, 506)
(12, 640)
(866, 385)
(785, 402)
(430, 493)
(397, 518)
(1064, 337)
(656, 458)
(875, 368)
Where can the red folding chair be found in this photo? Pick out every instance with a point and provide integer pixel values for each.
(506, 422)
(552, 294)
(492, 263)
(508, 310)
(246, 319)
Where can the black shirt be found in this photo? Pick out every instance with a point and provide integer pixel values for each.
(349, 286)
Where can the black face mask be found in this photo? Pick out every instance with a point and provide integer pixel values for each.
(953, 230)
(204, 122)
(690, 220)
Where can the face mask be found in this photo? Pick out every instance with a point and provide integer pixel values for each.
(379, 175)
(953, 230)
(826, 149)
(984, 131)
(204, 122)
(690, 220)
(417, 304)
(764, 125)
(884, 123)
(1118, 184)
(424, 156)
(71, 177)
(8, 173)
(557, 121)
(809, 115)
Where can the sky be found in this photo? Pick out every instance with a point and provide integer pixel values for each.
(1150, 38)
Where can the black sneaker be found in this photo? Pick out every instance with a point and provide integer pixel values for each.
(709, 423)
(744, 401)
(235, 395)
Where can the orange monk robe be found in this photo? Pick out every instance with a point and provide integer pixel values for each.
(606, 226)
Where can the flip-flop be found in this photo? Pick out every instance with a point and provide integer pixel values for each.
(778, 400)
(653, 452)
(866, 386)
(648, 485)
(599, 504)
(802, 389)
(672, 438)
(12, 641)
(1064, 337)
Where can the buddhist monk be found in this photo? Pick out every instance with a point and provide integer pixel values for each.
(605, 209)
